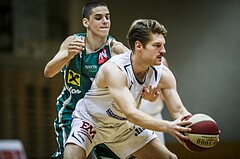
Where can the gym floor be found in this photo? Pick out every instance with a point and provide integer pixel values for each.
(223, 150)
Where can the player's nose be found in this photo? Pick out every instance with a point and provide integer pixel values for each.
(163, 50)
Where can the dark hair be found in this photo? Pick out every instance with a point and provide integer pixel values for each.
(87, 9)
(141, 30)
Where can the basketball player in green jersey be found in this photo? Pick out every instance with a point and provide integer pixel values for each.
(79, 57)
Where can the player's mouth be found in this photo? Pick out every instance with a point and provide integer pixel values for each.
(160, 58)
(104, 28)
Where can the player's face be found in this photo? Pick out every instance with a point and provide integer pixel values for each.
(99, 21)
(154, 49)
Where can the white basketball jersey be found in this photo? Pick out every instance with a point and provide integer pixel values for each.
(98, 102)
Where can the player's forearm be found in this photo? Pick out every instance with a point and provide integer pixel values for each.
(55, 65)
(179, 112)
(148, 122)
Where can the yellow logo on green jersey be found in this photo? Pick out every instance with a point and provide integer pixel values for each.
(73, 78)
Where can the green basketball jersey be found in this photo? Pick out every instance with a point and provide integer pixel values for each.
(77, 78)
(80, 72)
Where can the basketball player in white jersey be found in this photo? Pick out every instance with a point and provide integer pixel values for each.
(109, 111)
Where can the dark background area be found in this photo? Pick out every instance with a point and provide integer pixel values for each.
(203, 44)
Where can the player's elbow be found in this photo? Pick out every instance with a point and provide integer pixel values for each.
(131, 117)
(47, 73)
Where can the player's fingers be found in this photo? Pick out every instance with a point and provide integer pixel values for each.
(76, 45)
(153, 99)
(157, 93)
(186, 117)
(181, 129)
(75, 48)
(179, 140)
(184, 123)
(150, 89)
(72, 47)
(153, 90)
(145, 89)
(181, 135)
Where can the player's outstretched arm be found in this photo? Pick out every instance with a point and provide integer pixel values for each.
(68, 49)
(171, 97)
(112, 77)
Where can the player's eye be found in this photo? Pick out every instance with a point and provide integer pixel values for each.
(157, 45)
(107, 17)
(98, 18)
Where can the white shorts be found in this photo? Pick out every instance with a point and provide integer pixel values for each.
(123, 140)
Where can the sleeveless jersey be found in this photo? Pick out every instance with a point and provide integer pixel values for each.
(98, 102)
(80, 72)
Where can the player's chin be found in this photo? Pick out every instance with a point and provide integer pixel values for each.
(104, 31)
(158, 62)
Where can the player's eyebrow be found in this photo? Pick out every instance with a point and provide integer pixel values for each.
(102, 14)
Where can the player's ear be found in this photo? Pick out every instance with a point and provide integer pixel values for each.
(85, 22)
(138, 45)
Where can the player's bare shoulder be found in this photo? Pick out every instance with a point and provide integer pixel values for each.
(110, 74)
(109, 69)
(167, 78)
(118, 47)
(104, 73)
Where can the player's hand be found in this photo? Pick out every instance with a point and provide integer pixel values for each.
(75, 46)
(151, 94)
(177, 127)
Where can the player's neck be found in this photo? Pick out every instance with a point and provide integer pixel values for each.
(94, 42)
(139, 68)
